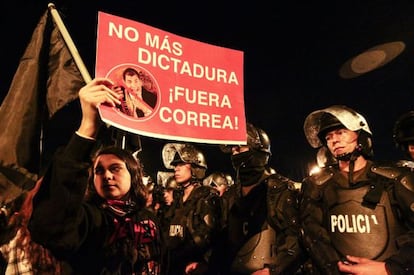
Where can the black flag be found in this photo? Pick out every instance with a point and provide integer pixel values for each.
(46, 80)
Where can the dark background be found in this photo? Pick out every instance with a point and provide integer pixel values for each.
(292, 53)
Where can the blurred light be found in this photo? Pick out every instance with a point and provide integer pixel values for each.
(314, 170)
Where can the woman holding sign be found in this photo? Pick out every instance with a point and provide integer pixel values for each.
(110, 231)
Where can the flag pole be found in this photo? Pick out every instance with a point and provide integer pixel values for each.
(69, 42)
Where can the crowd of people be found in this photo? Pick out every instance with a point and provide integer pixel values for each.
(94, 210)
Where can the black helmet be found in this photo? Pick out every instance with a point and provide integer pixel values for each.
(257, 140)
(403, 131)
(174, 153)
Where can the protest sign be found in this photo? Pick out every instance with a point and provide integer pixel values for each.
(174, 87)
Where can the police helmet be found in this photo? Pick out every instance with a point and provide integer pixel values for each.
(403, 131)
(148, 182)
(164, 179)
(319, 122)
(171, 183)
(257, 140)
(218, 179)
(185, 153)
(229, 178)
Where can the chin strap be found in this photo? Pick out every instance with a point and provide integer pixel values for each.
(188, 184)
(351, 172)
(351, 157)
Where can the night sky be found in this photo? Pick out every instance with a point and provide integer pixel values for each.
(292, 54)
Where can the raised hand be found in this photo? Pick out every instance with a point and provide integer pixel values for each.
(96, 92)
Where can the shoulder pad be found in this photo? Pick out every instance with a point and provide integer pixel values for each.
(404, 175)
(204, 191)
(408, 181)
(387, 171)
(322, 176)
(406, 163)
(276, 181)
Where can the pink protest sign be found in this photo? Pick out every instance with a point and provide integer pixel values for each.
(174, 87)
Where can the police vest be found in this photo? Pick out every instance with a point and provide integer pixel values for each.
(363, 220)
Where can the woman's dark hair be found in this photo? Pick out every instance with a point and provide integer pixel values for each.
(137, 193)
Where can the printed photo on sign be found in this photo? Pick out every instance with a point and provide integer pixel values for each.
(139, 90)
(173, 87)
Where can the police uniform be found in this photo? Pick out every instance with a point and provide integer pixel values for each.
(365, 213)
(194, 223)
(193, 228)
(371, 218)
(262, 229)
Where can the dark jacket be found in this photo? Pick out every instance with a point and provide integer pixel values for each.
(193, 228)
(90, 239)
(269, 213)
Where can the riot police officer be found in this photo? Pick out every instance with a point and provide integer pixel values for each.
(196, 209)
(403, 135)
(220, 181)
(261, 232)
(356, 214)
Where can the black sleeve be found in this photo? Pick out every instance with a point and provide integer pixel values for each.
(284, 217)
(402, 262)
(315, 237)
(58, 212)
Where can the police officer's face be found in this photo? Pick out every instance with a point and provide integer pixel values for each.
(112, 179)
(341, 141)
(182, 172)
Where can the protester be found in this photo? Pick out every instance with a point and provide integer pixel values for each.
(261, 234)
(356, 213)
(19, 254)
(92, 214)
(195, 221)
